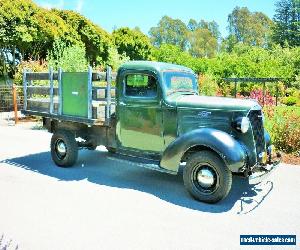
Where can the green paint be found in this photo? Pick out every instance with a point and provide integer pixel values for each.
(75, 94)
(174, 120)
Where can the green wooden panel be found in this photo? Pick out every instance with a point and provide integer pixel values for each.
(75, 93)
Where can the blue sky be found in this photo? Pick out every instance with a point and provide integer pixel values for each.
(146, 14)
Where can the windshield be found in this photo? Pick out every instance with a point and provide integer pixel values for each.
(180, 82)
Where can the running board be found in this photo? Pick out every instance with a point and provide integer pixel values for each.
(141, 162)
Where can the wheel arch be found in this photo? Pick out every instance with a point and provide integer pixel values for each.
(198, 148)
(219, 142)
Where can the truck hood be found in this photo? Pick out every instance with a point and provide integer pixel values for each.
(208, 102)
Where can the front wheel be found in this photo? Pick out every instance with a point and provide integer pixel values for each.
(64, 148)
(206, 177)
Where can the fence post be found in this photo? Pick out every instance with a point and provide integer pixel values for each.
(15, 103)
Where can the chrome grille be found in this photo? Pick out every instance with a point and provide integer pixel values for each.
(255, 117)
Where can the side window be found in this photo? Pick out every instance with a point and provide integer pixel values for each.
(140, 85)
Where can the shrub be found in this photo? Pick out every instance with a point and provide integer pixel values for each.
(263, 100)
(34, 66)
(70, 59)
(284, 127)
(207, 85)
(289, 100)
(115, 59)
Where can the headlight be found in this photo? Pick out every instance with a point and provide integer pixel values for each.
(242, 124)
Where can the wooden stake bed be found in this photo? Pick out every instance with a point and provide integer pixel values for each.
(70, 96)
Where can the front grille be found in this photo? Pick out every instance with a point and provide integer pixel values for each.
(256, 120)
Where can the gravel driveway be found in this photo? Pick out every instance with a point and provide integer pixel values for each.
(102, 203)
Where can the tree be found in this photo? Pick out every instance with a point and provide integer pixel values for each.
(202, 43)
(17, 30)
(169, 31)
(212, 26)
(27, 31)
(69, 58)
(249, 28)
(50, 28)
(132, 43)
(192, 25)
(172, 54)
(115, 59)
(286, 30)
(95, 40)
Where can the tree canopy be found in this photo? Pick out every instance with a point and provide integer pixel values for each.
(170, 31)
(256, 46)
(199, 38)
(251, 28)
(96, 41)
(287, 23)
(132, 43)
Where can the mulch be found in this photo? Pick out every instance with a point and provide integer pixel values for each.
(290, 159)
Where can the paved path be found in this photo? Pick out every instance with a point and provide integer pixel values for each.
(105, 204)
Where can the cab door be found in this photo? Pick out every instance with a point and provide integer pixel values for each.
(139, 113)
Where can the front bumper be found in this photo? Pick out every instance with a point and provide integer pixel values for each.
(262, 171)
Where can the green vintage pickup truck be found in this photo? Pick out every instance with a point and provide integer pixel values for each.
(155, 117)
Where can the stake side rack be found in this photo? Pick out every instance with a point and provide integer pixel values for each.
(70, 96)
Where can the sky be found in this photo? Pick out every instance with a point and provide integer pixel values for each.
(110, 14)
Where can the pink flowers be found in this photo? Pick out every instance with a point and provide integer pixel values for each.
(264, 100)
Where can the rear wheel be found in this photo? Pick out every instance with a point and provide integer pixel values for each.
(111, 150)
(206, 177)
(64, 148)
(92, 147)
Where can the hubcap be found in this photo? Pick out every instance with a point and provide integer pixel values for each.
(61, 149)
(205, 177)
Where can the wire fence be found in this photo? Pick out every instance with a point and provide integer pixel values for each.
(11, 102)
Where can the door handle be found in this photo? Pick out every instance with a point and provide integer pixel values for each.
(122, 103)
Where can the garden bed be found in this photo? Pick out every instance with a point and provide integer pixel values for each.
(283, 124)
(291, 159)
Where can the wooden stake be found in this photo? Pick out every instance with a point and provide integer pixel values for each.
(15, 103)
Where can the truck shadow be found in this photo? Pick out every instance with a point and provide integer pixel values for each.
(98, 168)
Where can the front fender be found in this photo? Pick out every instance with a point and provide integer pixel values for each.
(229, 149)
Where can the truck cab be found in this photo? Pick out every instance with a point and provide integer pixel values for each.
(161, 122)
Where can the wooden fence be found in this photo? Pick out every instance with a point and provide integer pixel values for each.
(11, 100)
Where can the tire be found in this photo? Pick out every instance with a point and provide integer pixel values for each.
(206, 177)
(64, 148)
(93, 147)
(111, 150)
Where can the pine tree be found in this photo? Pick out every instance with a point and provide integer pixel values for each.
(287, 23)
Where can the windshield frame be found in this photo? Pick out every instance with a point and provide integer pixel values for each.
(169, 91)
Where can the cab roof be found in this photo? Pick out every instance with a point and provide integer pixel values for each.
(156, 66)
